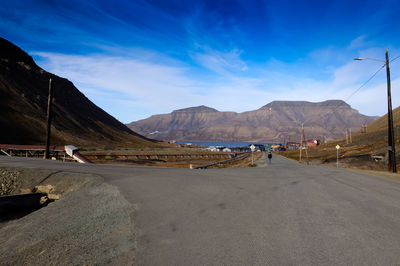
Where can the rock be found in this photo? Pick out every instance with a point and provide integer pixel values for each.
(26, 190)
(54, 196)
(43, 200)
(9, 181)
(44, 189)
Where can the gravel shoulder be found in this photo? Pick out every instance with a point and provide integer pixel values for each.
(91, 223)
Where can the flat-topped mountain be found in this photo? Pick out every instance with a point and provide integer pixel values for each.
(275, 122)
(197, 109)
(305, 104)
(76, 120)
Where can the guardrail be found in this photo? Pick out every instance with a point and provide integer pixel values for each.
(239, 157)
(160, 156)
(57, 152)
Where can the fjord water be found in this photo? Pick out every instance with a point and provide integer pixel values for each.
(224, 144)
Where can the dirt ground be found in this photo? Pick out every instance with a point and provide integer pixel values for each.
(96, 227)
(348, 157)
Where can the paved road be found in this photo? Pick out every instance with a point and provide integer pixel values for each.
(283, 213)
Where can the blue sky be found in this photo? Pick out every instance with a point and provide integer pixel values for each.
(139, 58)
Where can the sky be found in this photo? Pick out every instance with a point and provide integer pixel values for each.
(137, 58)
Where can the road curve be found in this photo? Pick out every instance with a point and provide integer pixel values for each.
(283, 213)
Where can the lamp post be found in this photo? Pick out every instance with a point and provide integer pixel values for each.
(391, 142)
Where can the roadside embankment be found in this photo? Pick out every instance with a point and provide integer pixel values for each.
(91, 222)
(359, 157)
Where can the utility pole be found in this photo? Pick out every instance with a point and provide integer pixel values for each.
(302, 143)
(351, 141)
(49, 100)
(364, 128)
(301, 140)
(391, 143)
(347, 138)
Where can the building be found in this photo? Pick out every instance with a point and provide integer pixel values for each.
(312, 142)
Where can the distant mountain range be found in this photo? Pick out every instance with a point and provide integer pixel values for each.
(76, 120)
(274, 122)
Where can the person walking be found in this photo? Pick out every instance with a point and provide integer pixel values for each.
(269, 157)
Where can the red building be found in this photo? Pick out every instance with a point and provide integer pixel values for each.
(312, 142)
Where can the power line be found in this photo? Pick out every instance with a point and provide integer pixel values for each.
(359, 88)
(365, 83)
(394, 59)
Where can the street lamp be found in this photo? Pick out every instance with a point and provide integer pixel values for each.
(391, 142)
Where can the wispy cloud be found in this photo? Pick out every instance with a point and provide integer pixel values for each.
(360, 42)
(135, 87)
(222, 63)
(148, 84)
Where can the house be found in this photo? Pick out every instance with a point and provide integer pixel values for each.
(293, 145)
(312, 142)
(212, 148)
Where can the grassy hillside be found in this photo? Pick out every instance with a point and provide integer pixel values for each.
(359, 152)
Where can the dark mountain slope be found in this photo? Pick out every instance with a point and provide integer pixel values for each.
(76, 120)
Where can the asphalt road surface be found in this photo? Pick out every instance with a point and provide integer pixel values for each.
(279, 214)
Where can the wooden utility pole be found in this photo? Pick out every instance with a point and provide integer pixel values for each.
(302, 143)
(301, 140)
(351, 141)
(391, 143)
(364, 128)
(49, 114)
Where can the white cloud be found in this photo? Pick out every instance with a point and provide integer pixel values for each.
(148, 84)
(133, 88)
(359, 42)
(223, 63)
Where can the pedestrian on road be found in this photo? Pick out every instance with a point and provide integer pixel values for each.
(269, 157)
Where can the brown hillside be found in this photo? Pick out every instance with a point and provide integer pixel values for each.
(382, 123)
(76, 120)
(274, 122)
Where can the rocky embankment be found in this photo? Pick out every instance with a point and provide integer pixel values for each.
(8, 181)
(90, 224)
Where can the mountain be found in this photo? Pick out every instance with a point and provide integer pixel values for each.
(76, 120)
(274, 122)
